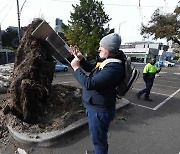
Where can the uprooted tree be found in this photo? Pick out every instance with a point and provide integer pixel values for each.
(32, 77)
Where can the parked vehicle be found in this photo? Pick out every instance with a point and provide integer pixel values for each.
(168, 64)
(61, 67)
(159, 64)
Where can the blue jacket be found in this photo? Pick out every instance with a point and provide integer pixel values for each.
(99, 91)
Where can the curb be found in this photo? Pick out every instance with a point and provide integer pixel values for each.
(51, 138)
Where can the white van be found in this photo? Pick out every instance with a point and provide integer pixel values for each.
(168, 64)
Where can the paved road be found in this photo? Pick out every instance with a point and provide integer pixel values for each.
(149, 128)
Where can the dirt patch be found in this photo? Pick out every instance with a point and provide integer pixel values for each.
(63, 108)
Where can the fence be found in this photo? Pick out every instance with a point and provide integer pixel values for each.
(6, 56)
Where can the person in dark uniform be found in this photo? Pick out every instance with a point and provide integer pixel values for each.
(149, 73)
(99, 88)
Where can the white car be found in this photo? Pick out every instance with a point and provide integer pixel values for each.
(168, 64)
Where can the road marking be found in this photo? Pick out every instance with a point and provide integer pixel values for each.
(167, 99)
(166, 86)
(158, 106)
(172, 79)
(166, 81)
(67, 82)
(141, 106)
(162, 72)
(177, 73)
(162, 85)
(65, 74)
(152, 92)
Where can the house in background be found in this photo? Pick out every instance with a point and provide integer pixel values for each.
(58, 24)
(144, 51)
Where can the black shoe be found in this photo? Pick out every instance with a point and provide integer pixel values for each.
(148, 99)
(137, 95)
(89, 152)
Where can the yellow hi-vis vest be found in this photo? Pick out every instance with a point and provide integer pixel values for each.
(150, 68)
(98, 64)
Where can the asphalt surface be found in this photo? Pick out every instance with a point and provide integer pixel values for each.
(149, 127)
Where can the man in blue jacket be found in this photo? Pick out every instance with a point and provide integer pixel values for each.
(99, 88)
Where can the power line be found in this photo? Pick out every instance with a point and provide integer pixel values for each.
(152, 6)
(66, 1)
(22, 6)
(7, 12)
(120, 5)
(5, 6)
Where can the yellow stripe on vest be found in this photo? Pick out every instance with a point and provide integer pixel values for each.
(98, 64)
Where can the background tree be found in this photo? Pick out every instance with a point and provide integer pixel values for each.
(86, 27)
(10, 39)
(163, 25)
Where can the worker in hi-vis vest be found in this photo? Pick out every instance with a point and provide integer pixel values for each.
(149, 73)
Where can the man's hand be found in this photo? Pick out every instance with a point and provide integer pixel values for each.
(159, 69)
(74, 50)
(75, 63)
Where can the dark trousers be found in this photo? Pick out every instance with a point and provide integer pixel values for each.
(98, 126)
(149, 84)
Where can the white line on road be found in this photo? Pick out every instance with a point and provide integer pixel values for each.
(167, 99)
(166, 81)
(171, 78)
(67, 82)
(162, 72)
(161, 85)
(152, 92)
(141, 106)
(67, 74)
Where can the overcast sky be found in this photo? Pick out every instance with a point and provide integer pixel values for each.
(127, 15)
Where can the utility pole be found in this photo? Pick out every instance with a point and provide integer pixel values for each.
(0, 38)
(19, 26)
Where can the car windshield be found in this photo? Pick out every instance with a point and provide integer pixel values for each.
(58, 63)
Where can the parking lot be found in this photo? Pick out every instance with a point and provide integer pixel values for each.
(147, 128)
(165, 88)
(150, 127)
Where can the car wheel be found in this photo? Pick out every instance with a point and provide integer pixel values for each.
(169, 65)
(65, 69)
